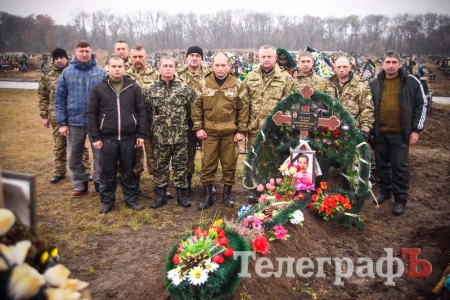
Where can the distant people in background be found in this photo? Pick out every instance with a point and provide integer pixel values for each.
(122, 50)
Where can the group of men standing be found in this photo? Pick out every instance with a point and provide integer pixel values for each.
(170, 112)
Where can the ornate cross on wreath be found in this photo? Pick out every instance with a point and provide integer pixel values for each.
(304, 119)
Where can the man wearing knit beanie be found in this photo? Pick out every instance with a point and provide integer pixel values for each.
(46, 93)
(59, 52)
(192, 73)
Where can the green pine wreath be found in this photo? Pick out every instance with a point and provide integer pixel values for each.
(272, 145)
(221, 283)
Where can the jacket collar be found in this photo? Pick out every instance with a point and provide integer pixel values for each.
(84, 66)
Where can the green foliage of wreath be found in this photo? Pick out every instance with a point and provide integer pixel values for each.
(220, 284)
(272, 146)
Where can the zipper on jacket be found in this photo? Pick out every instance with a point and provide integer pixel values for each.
(118, 108)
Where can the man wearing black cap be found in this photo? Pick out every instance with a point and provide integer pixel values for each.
(46, 93)
(192, 73)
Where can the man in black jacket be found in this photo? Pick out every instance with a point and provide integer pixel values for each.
(400, 111)
(117, 118)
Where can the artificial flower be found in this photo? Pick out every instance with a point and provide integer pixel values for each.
(58, 294)
(25, 282)
(176, 259)
(7, 220)
(260, 188)
(210, 266)
(218, 259)
(323, 185)
(283, 168)
(260, 244)
(217, 223)
(13, 255)
(279, 180)
(228, 252)
(297, 217)
(244, 209)
(262, 198)
(220, 232)
(197, 276)
(279, 232)
(293, 170)
(222, 241)
(57, 275)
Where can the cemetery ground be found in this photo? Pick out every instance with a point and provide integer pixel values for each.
(122, 254)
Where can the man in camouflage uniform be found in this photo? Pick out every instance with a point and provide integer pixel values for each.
(143, 74)
(220, 119)
(353, 93)
(46, 94)
(168, 101)
(307, 75)
(192, 73)
(121, 49)
(263, 88)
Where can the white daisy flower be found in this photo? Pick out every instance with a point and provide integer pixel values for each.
(211, 266)
(176, 280)
(198, 276)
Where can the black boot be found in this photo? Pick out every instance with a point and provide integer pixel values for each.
(181, 197)
(189, 188)
(160, 198)
(207, 191)
(168, 194)
(226, 196)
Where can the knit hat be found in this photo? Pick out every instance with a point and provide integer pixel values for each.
(59, 52)
(195, 49)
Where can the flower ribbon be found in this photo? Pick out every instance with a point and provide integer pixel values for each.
(192, 260)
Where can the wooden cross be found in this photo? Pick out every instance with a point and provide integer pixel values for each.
(331, 122)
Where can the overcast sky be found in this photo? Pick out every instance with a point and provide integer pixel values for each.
(61, 11)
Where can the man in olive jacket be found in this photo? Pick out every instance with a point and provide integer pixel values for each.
(220, 119)
(116, 116)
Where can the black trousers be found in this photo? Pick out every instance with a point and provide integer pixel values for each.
(113, 151)
(391, 154)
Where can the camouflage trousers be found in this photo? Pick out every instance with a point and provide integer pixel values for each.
(60, 153)
(163, 154)
(192, 150)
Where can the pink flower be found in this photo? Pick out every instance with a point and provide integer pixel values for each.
(262, 198)
(280, 232)
(272, 182)
(279, 180)
(260, 188)
(270, 187)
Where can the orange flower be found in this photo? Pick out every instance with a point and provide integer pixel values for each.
(328, 211)
(347, 206)
(323, 185)
(319, 191)
(314, 197)
(321, 208)
(310, 204)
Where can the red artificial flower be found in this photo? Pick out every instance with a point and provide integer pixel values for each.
(220, 232)
(222, 241)
(218, 259)
(347, 206)
(319, 191)
(205, 232)
(176, 259)
(323, 185)
(260, 244)
(228, 252)
(328, 211)
(198, 231)
(300, 196)
(321, 208)
(314, 197)
(310, 204)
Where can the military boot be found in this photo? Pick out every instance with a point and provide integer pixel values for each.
(189, 188)
(226, 196)
(160, 198)
(181, 197)
(207, 191)
(168, 194)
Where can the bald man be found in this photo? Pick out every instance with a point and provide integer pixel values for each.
(353, 93)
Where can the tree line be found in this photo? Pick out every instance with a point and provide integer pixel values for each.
(231, 29)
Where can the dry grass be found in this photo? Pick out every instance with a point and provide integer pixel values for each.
(26, 147)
